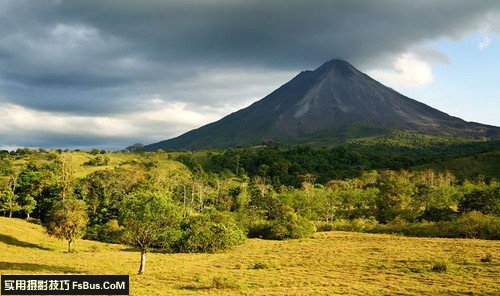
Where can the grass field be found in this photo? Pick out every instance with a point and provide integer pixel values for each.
(328, 264)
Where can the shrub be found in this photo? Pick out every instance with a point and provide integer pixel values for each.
(265, 265)
(469, 225)
(487, 258)
(109, 232)
(322, 226)
(486, 201)
(476, 225)
(209, 232)
(290, 225)
(220, 282)
(438, 214)
(440, 266)
(358, 225)
(34, 221)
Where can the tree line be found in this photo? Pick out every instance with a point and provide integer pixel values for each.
(292, 165)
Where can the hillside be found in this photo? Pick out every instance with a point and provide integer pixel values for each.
(330, 263)
(330, 104)
(80, 167)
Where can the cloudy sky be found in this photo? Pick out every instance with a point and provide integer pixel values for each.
(81, 74)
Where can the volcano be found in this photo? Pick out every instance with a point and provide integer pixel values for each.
(333, 103)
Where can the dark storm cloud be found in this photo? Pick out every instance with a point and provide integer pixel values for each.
(280, 33)
(110, 57)
(94, 38)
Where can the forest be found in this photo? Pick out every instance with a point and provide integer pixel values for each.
(206, 201)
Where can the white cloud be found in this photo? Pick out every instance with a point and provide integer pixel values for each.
(233, 87)
(175, 113)
(18, 123)
(408, 71)
(20, 119)
(430, 53)
(484, 43)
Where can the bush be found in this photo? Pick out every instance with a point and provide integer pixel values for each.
(476, 225)
(209, 232)
(34, 221)
(419, 229)
(487, 258)
(440, 266)
(322, 226)
(109, 232)
(290, 225)
(358, 225)
(265, 265)
(219, 282)
(486, 201)
(438, 214)
(469, 225)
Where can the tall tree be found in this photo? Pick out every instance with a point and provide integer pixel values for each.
(149, 220)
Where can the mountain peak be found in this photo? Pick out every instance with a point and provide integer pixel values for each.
(336, 62)
(338, 67)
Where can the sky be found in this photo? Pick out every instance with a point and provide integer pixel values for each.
(107, 74)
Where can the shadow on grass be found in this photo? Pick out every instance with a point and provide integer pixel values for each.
(37, 267)
(10, 240)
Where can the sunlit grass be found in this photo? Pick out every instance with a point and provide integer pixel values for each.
(330, 263)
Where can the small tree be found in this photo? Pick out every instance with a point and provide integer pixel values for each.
(9, 202)
(67, 219)
(28, 204)
(149, 220)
